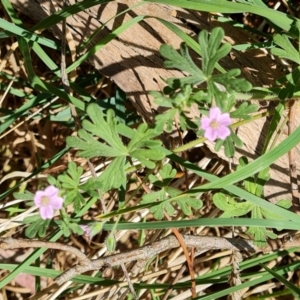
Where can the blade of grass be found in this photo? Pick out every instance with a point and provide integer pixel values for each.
(295, 290)
(62, 14)
(282, 20)
(255, 282)
(209, 222)
(50, 273)
(40, 85)
(21, 32)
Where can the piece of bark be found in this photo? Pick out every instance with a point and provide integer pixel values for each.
(133, 62)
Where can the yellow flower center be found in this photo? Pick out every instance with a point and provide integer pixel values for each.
(45, 200)
(214, 124)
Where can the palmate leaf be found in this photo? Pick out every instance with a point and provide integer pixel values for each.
(230, 207)
(106, 130)
(179, 103)
(234, 208)
(166, 205)
(90, 147)
(145, 156)
(244, 110)
(229, 144)
(230, 81)
(288, 51)
(114, 175)
(212, 49)
(183, 62)
(69, 183)
(142, 146)
(166, 174)
(165, 120)
(143, 137)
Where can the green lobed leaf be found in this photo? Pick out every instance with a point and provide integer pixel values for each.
(90, 147)
(106, 130)
(288, 51)
(182, 62)
(114, 175)
(38, 227)
(243, 111)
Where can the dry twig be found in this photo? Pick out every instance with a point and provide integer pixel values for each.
(148, 251)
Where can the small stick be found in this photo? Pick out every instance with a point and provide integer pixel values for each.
(148, 251)
(10, 243)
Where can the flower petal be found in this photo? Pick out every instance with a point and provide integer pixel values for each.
(214, 113)
(56, 202)
(224, 119)
(46, 212)
(38, 198)
(51, 191)
(205, 123)
(211, 134)
(223, 132)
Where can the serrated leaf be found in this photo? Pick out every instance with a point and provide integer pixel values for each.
(167, 205)
(90, 147)
(141, 138)
(158, 210)
(230, 207)
(288, 51)
(243, 111)
(70, 182)
(186, 202)
(42, 229)
(229, 147)
(172, 192)
(147, 156)
(182, 62)
(211, 49)
(71, 195)
(114, 175)
(66, 181)
(262, 178)
(106, 130)
(152, 197)
(163, 178)
(230, 81)
(161, 100)
(65, 229)
(78, 202)
(259, 236)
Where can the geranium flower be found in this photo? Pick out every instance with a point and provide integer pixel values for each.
(92, 229)
(216, 124)
(48, 200)
(86, 229)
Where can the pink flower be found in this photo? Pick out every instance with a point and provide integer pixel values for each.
(48, 200)
(216, 124)
(92, 229)
(86, 229)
